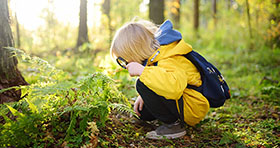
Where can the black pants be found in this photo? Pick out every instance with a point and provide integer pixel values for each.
(155, 106)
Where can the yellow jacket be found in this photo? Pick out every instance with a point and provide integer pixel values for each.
(171, 76)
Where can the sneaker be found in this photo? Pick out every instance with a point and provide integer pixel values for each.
(168, 131)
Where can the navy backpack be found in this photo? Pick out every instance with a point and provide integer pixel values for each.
(214, 86)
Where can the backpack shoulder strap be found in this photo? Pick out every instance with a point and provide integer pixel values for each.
(190, 57)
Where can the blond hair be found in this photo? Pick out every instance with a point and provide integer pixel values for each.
(135, 41)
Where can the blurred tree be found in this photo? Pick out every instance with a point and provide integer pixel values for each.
(106, 10)
(274, 30)
(214, 7)
(83, 29)
(51, 22)
(156, 11)
(175, 12)
(249, 18)
(257, 13)
(17, 32)
(228, 2)
(275, 16)
(196, 15)
(124, 11)
(48, 32)
(9, 73)
(53, 35)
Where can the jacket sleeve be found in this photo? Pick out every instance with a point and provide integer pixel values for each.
(168, 79)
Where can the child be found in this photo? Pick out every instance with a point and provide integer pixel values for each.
(155, 54)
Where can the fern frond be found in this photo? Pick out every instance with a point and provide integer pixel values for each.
(46, 70)
(122, 108)
(9, 88)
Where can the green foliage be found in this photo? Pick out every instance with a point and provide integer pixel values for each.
(61, 107)
(124, 82)
(227, 138)
(122, 108)
(56, 110)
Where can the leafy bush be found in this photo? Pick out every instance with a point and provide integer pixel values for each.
(56, 111)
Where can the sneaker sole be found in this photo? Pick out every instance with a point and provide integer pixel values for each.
(153, 135)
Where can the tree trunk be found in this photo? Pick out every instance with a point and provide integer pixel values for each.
(83, 30)
(275, 26)
(17, 31)
(228, 4)
(106, 10)
(9, 74)
(257, 15)
(276, 15)
(249, 18)
(175, 12)
(196, 15)
(156, 11)
(214, 6)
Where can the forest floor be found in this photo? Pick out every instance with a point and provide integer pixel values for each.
(250, 123)
(251, 118)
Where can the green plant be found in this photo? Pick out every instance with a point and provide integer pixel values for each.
(55, 111)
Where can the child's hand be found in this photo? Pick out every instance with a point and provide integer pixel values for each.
(138, 105)
(134, 69)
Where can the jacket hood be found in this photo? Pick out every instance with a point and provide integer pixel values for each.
(171, 43)
(167, 34)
